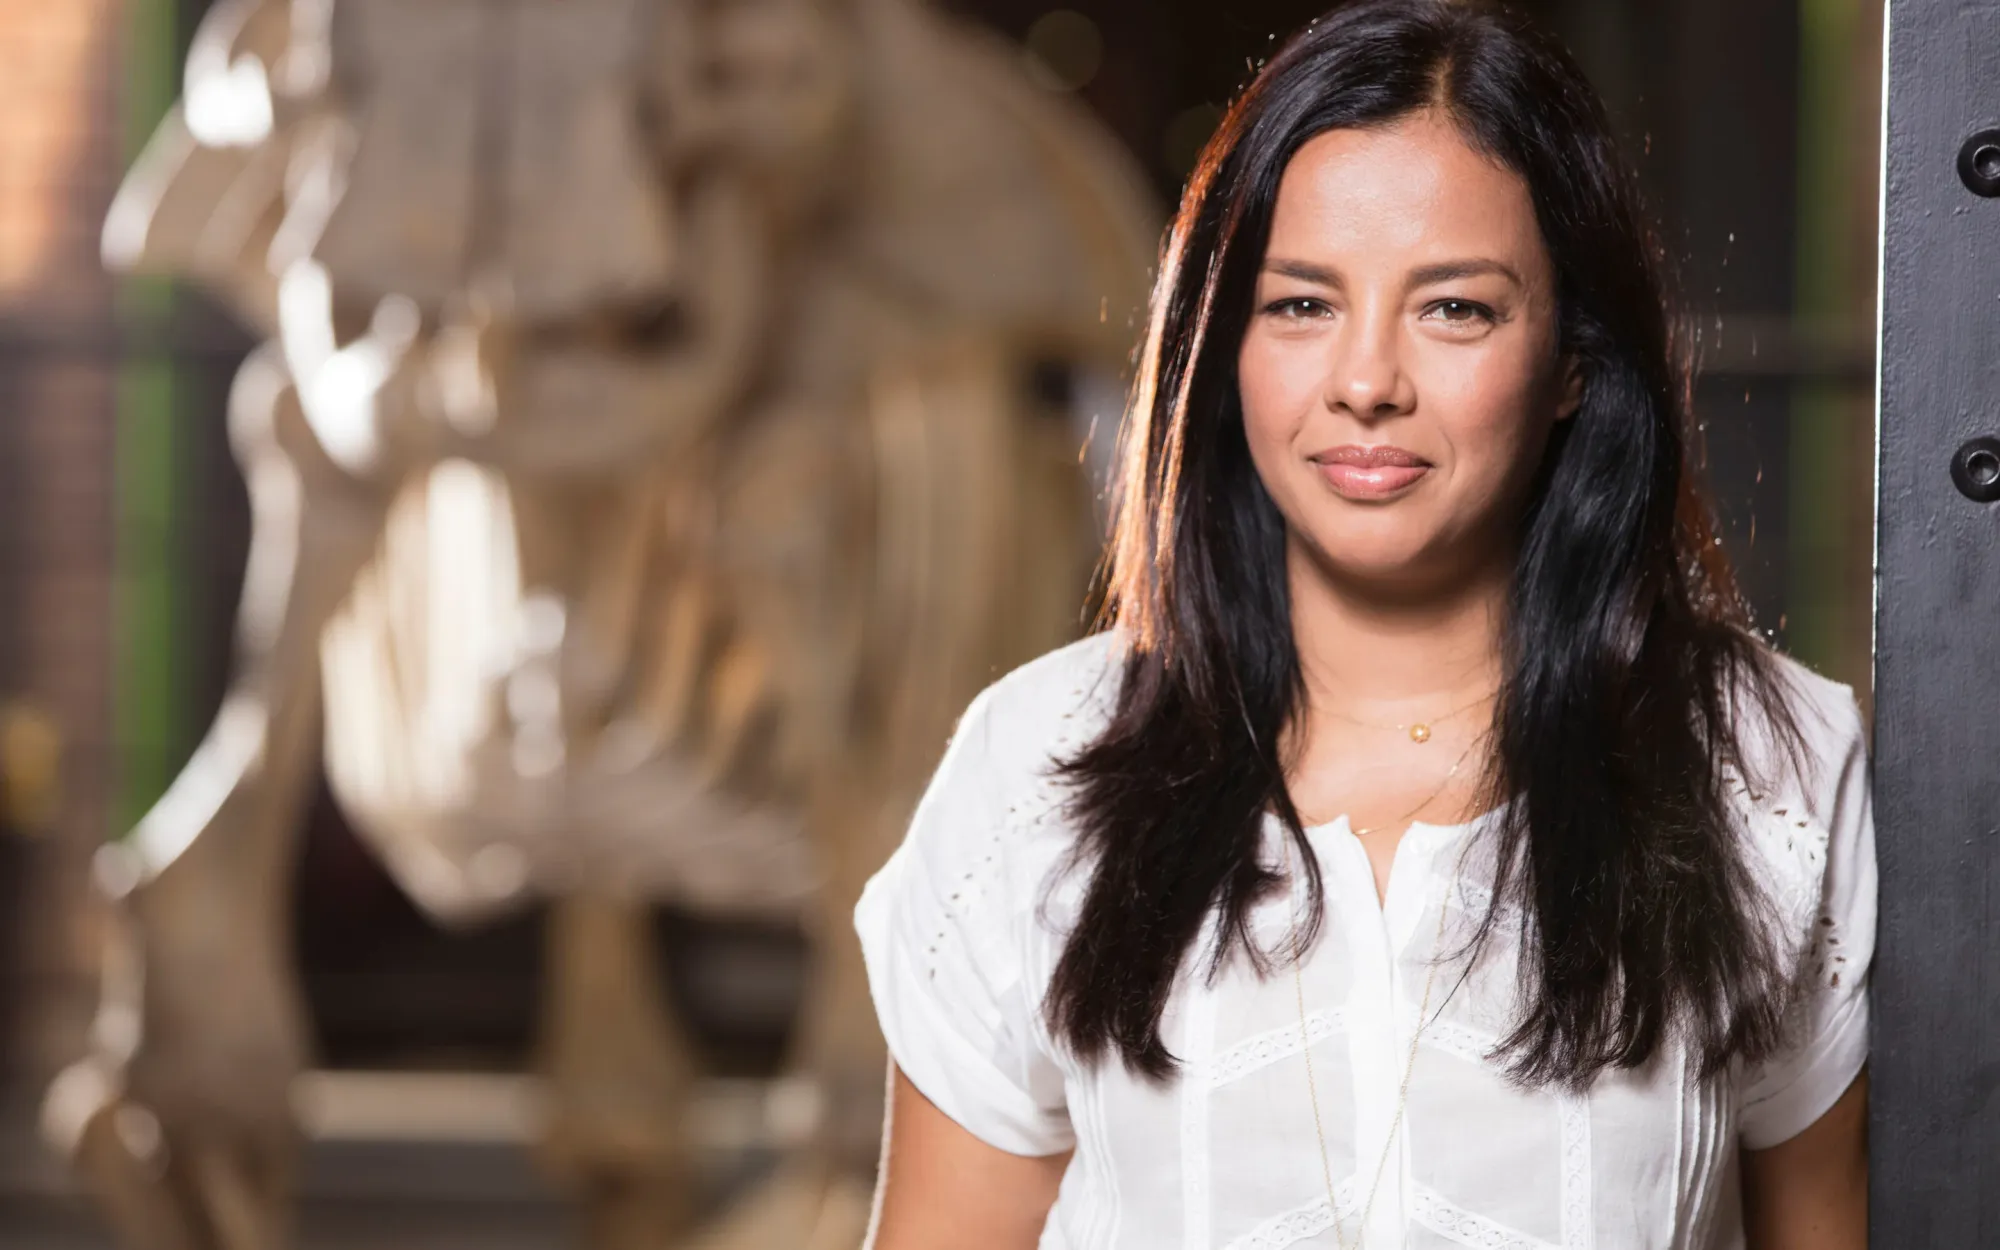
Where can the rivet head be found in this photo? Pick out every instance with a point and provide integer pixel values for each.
(1420, 733)
(1979, 163)
(1975, 469)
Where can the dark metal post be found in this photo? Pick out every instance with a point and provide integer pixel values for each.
(1936, 1065)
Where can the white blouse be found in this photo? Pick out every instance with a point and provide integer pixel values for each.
(962, 928)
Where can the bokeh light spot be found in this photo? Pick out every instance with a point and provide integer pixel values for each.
(1064, 50)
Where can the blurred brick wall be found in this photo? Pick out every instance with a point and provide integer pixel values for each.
(60, 147)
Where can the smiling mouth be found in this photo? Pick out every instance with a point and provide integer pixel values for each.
(1370, 473)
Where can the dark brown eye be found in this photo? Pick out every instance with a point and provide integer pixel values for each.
(1461, 312)
(1297, 309)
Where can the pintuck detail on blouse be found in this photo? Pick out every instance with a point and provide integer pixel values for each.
(962, 928)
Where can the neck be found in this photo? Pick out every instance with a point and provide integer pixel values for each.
(1395, 652)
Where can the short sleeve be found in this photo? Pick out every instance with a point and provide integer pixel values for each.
(1786, 1094)
(941, 932)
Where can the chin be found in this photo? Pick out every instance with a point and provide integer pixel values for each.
(1391, 561)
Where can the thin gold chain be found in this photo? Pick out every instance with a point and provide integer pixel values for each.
(1428, 799)
(1434, 720)
(1409, 1064)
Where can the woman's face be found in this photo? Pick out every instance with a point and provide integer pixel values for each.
(1400, 374)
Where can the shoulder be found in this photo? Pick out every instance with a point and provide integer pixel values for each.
(991, 826)
(1805, 740)
(1051, 706)
(1001, 772)
(1804, 802)
(1829, 715)
(998, 798)
(1811, 821)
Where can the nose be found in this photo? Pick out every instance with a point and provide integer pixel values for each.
(1365, 374)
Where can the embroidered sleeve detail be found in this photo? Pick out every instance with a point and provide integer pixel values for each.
(1795, 847)
(939, 934)
(1819, 849)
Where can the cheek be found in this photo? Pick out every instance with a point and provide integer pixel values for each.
(1494, 414)
(1278, 384)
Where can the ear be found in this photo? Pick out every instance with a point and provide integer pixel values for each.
(1572, 389)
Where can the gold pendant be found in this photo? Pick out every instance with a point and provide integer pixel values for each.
(1420, 732)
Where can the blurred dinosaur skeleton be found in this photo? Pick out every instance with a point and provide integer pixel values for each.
(651, 451)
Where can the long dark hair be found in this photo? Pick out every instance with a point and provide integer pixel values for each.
(1627, 656)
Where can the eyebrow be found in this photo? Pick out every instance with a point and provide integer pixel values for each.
(1428, 275)
(1445, 271)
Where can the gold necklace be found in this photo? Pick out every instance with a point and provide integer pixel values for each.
(1419, 730)
(1428, 799)
(1409, 1060)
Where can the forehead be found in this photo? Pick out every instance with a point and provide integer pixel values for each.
(1414, 190)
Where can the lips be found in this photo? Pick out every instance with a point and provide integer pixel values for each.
(1370, 473)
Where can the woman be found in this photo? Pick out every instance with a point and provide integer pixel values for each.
(1429, 855)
